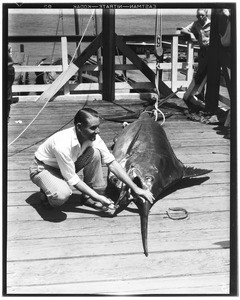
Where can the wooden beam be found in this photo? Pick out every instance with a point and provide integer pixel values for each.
(77, 34)
(213, 66)
(140, 64)
(71, 70)
(174, 61)
(98, 17)
(108, 42)
(65, 61)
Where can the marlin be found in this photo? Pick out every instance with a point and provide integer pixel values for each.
(145, 153)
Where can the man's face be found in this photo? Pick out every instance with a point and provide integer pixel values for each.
(201, 16)
(91, 129)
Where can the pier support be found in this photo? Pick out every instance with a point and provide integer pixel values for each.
(108, 43)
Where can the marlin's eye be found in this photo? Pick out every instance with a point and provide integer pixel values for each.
(149, 178)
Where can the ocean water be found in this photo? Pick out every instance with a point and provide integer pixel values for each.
(51, 24)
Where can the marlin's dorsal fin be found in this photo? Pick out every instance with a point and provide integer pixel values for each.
(133, 140)
(194, 172)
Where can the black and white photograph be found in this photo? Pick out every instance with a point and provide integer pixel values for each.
(119, 149)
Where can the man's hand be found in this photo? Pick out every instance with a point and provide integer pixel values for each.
(193, 38)
(147, 195)
(106, 201)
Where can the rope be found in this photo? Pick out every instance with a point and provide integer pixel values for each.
(40, 140)
(178, 209)
(45, 137)
(29, 123)
(156, 109)
(82, 36)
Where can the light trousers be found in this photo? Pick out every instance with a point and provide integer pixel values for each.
(51, 181)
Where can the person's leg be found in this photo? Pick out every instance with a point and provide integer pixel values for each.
(93, 173)
(90, 162)
(51, 183)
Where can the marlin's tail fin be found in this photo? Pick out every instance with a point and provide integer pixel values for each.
(194, 172)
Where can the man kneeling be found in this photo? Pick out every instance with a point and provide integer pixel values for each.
(58, 160)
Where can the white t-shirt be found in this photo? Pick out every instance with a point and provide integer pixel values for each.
(62, 149)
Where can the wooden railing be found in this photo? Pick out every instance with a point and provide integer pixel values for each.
(172, 68)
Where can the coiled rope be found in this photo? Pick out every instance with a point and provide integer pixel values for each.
(50, 99)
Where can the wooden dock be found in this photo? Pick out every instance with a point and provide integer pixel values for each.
(76, 250)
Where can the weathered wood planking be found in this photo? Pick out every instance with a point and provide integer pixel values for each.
(75, 250)
(194, 284)
(125, 267)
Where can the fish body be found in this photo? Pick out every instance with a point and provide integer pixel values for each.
(145, 153)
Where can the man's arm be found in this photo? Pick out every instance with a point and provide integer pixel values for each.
(187, 32)
(121, 174)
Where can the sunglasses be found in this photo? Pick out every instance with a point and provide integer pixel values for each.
(200, 15)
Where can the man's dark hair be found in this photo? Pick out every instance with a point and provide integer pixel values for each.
(83, 114)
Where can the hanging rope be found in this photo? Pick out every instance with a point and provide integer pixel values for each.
(158, 53)
(82, 36)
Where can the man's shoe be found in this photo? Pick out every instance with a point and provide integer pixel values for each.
(44, 200)
(89, 202)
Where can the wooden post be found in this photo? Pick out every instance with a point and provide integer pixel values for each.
(77, 33)
(99, 52)
(213, 66)
(65, 62)
(190, 61)
(124, 63)
(174, 55)
(108, 42)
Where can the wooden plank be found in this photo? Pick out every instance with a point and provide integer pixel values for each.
(194, 203)
(171, 134)
(194, 284)
(27, 207)
(174, 59)
(65, 62)
(88, 68)
(175, 144)
(102, 268)
(90, 97)
(168, 241)
(186, 159)
(39, 68)
(89, 222)
(22, 185)
(211, 150)
(190, 61)
(215, 177)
